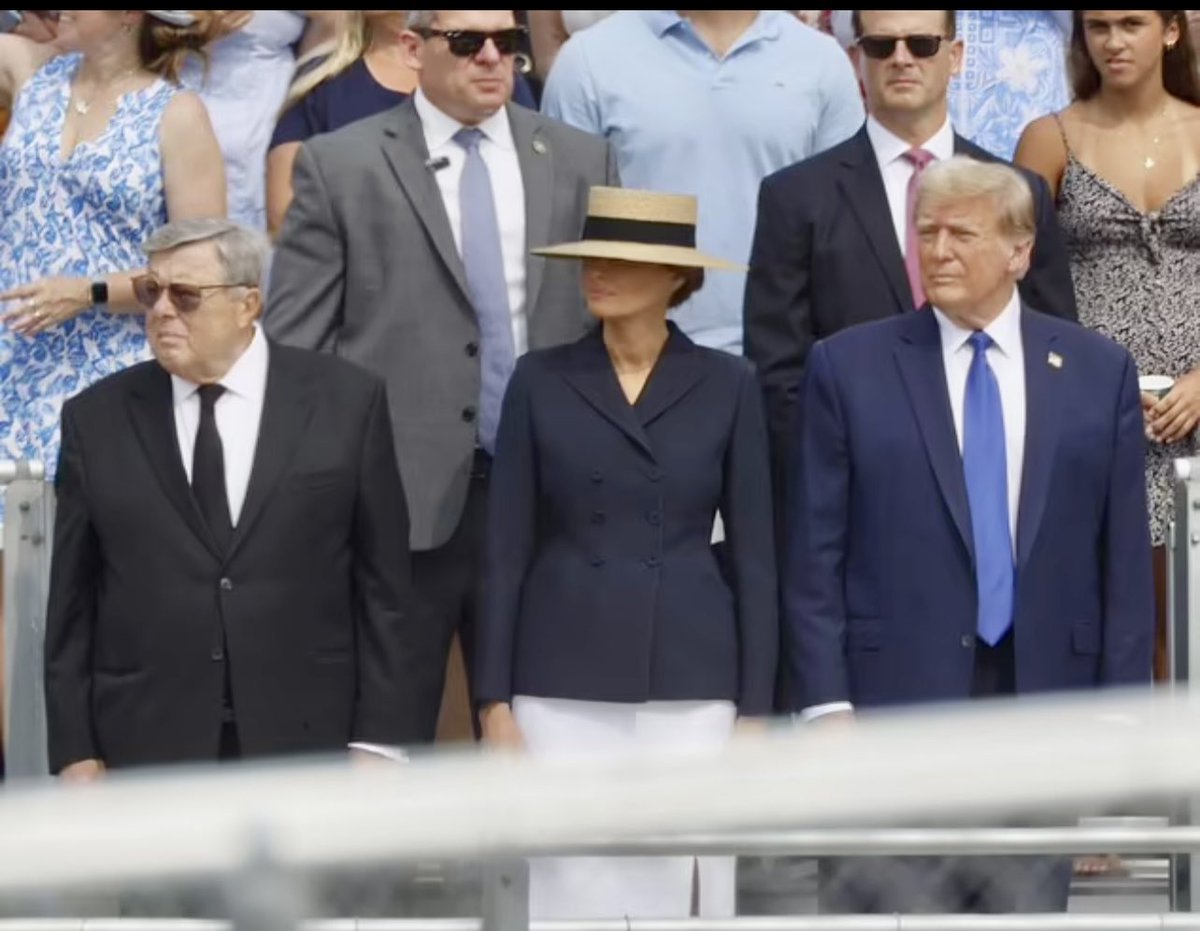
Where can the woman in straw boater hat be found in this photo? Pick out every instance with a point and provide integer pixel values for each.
(609, 623)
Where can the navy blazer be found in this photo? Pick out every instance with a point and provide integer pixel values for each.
(825, 257)
(601, 583)
(880, 595)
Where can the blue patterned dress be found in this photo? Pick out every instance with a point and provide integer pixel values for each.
(85, 217)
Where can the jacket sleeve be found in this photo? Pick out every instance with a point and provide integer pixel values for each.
(71, 613)
(510, 539)
(394, 647)
(1048, 286)
(308, 269)
(1128, 576)
(818, 513)
(750, 548)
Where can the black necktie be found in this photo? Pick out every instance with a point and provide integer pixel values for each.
(208, 469)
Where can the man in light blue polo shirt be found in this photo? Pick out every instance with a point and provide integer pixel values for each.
(708, 102)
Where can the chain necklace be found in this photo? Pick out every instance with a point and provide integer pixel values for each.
(83, 106)
(1151, 158)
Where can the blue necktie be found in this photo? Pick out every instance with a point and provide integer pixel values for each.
(484, 264)
(986, 471)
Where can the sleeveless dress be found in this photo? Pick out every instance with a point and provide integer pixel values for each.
(83, 217)
(1137, 281)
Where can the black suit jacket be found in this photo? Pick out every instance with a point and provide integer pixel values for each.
(601, 583)
(312, 595)
(825, 257)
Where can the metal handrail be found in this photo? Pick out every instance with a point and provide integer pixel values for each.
(17, 470)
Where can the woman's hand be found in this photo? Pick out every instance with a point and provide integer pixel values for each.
(500, 729)
(1174, 417)
(46, 303)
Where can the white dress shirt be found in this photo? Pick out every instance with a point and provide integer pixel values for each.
(238, 413)
(1006, 356)
(897, 170)
(499, 153)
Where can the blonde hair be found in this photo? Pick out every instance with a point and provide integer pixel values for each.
(353, 40)
(963, 178)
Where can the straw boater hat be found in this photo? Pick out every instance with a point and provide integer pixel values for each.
(639, 226)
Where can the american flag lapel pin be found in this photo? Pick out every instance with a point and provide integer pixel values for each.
(539, 147)
(1055, 360)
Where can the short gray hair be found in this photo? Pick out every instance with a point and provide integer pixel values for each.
(421, 19)
(241, 250)
(963, 178)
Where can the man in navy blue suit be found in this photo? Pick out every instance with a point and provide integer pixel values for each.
(833, 241)
(968, 512)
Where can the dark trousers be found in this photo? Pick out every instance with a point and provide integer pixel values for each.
(446, 582)
(933, 885)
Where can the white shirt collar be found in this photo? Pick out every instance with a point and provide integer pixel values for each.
(1005, 330)
(440, 127)
(246, 378)
(889, 147)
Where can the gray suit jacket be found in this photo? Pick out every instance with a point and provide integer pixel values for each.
(366, 268)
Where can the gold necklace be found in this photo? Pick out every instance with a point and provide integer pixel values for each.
(1150, 161)
(83, 106)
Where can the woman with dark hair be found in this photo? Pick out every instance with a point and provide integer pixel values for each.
(1124, 162)
(103, 148)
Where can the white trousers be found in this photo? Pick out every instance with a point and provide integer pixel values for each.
(621, 887)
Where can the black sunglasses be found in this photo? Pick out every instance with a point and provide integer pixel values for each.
(467, 43)
(883, 47)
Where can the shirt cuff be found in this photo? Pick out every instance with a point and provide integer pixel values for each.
(390, 753)
(808, 715)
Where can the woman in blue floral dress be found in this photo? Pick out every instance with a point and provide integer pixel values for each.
(103, 148)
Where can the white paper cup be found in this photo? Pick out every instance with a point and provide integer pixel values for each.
(1157, 385)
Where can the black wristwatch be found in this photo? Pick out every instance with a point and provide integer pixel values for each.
(99, 292)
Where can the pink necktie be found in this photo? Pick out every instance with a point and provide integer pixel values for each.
(920, 160)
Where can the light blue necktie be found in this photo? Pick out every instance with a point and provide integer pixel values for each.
(484, 264)
(985, 467)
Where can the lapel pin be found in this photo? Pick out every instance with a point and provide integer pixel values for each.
(539, 147)
(1055, 360)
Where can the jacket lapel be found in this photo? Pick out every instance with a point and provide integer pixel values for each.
(536, 158)
(287, 408)
(591, 374)
(862, 185)
(677, 372)
(924, 373)
(405, 150)
(152, 411)
(1043, 410)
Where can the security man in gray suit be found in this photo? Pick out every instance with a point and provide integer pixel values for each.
(406, 250)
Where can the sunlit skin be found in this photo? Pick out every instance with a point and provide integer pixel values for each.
(1126, 46)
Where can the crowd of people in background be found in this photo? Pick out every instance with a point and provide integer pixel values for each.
(681, 367)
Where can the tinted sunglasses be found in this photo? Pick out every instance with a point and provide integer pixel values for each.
(883, 47)
(185, 298)
(467, 43)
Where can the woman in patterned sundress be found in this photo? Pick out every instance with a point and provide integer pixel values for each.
(102, 149)
(1124, 161)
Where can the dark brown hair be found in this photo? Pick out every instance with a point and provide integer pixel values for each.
(1178, 64)
(856, 22)
(693, 281)
(164, 49)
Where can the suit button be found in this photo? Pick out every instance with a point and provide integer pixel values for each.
(967, 641)
(655, 475)
(597, 518)
(218, 655)
(653, 562)
(226, 585)
(468, 414)
(471, 349)
(597, 476)
(597, 562)
(654, 518)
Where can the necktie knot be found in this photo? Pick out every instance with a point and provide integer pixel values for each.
(469, 138)
(980, 342)
(918, 158)
(209, 395)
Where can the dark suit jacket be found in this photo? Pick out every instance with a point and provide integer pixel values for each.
(601, 583)
(825, 257)
(312, 594)
(366, 268)
(880, 593)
